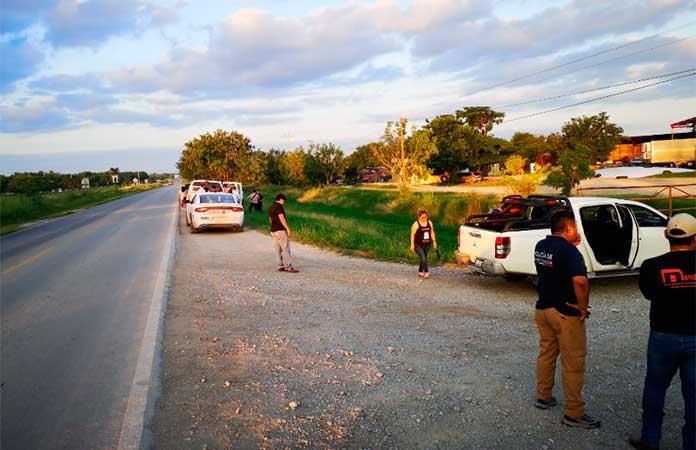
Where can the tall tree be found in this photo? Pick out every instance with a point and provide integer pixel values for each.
(361, 158)
(457, 144)
(596, 133)
(221, 155)
(481, 118)
(573, 167)
(397, 155)
(528, 145)
(327, 161)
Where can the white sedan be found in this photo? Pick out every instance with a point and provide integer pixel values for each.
(214, 210)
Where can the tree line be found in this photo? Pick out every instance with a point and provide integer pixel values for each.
(443, 146)
(39, 182)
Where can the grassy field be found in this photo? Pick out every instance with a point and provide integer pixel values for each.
(372, 223)
(17, 210)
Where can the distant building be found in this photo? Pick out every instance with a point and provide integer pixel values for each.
(638, 146)
(114, 179)
(85, 183)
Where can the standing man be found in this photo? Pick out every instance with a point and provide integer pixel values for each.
(561, 310)
(669, 282)
(280, 232)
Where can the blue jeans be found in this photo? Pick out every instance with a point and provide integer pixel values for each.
(423, 255)
(668, 353)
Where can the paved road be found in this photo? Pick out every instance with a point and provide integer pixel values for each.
(75, 299)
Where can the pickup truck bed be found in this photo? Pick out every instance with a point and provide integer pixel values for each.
(616, 235)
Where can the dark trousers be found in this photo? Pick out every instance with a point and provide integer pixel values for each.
(668, 353)
(258, 206)
(422, 252)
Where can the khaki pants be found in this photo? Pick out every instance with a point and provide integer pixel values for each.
(562, 334)
(281, 243)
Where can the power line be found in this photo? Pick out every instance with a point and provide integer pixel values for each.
(558, 66)
(586, 91)
(691, 74)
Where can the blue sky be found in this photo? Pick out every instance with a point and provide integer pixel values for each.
(139, 78)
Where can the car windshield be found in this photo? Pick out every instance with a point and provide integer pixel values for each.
(216, 198)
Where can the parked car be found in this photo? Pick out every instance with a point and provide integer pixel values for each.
(637, 162)
(616, 235)
(196, 185)
(214, 210)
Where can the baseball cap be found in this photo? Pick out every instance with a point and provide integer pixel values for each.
(681, 226)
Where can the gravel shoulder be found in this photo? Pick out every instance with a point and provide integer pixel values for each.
(375, 358)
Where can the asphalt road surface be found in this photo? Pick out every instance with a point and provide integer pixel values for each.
(75, 298)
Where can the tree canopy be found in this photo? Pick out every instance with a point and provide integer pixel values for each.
(595, 133)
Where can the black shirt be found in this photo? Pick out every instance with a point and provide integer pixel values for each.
(557, 261)
(424, 235)
(274, 211)
(669, 282)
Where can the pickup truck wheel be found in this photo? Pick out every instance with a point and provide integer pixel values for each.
(515, 277)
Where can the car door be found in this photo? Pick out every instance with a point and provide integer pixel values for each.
(610, 236)
(628, 236)
(651, 228)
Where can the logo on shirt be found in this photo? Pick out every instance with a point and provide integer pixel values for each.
(543, 259)
(676, 278)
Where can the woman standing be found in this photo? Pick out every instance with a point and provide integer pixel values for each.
(422, 236)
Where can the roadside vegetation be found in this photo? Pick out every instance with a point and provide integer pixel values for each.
(372, 223)
(17, 210)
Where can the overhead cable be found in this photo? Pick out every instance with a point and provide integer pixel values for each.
(586, 91)
(594, 55)
(691, 74)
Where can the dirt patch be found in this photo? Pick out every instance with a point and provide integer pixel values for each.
(352, 353)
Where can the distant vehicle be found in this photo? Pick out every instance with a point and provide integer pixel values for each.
(374, 175)
(214, 210)
(670, 153)
(616, 235)
(636, 162)
(196, 185)
(470, 177)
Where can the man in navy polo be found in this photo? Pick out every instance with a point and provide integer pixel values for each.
(560, 314)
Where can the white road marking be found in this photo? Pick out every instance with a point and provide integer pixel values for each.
(141, 398)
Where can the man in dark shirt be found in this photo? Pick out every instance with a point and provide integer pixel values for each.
(280, 232)
(560, 314)
(669, 282)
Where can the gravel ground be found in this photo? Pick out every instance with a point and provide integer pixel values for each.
(374, 358)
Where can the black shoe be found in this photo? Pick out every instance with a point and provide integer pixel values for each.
(281, 269)
(545, 404)
(638, 444)
(585, 422)
(291, 270)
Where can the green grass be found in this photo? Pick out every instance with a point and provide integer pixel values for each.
(691, 174)
(16, 210)
(370, 222)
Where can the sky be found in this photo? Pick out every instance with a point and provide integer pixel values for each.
(89, 84)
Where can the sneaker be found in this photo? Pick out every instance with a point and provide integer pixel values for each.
(291, 270)
(420, 274)
(585, 422)
(638, 444)
(281, 269)
(545, 404)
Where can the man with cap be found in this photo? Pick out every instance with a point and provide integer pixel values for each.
(669, 282)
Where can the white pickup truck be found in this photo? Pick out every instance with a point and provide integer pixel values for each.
(617, 235)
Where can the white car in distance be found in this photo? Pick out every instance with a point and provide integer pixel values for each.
(214, 210)
(197, 185)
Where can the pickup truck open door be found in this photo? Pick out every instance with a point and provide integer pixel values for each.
(611, 235)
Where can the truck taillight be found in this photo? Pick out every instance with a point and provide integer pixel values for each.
(502, 247)
(201, 209)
